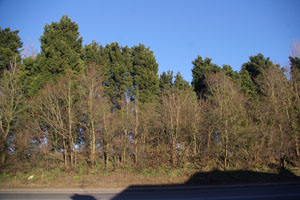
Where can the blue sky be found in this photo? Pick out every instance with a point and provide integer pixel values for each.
(228, 31)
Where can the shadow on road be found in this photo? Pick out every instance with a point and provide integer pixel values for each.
(221, 178)
(82, 197)
(240, 176)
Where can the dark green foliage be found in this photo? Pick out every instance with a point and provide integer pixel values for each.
(33, 76)
(91, 53)
(117, 67)
(10, 44)
(60, 51)
(295, 70)
(247, 85)
(200, 69)
(295, 63)
(256, 65)
(233, 75)
(126, 71)
(96, 54)
(250, 72)
(166, 80)
(145, 69)
(61, 47)
(180, 83)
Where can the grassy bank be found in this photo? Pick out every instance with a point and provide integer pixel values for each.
(84, 177)
(92, 178)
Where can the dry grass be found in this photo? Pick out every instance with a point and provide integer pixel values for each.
(112, 179)
(84, 177)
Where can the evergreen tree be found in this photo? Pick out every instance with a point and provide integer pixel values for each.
(61, 47)
(251, 71)
(295, 63)
(10, 44)
(256, 65)
(117, 66)
(91, 53)
(166, 80)
(61, 50)
(180, 83)
(200, 69)
(30, 76)
(145, 69)
(247, 85)
(233, 75)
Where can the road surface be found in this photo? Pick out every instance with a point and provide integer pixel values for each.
(244, 192)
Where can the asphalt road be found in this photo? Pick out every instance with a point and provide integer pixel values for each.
(261, 192)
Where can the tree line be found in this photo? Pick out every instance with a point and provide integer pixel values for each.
(106, 106)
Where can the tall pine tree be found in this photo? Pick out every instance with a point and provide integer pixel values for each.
(61, 50)
(145, 69)
(61, 47)
(116, 64)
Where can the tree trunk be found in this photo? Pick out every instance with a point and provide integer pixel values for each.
(70, 121)
(297, 145)
(72, 161)
(4, 150)
(93, 144)
(105, 141)
(136, 151)
(136, 132)
(173, 149)
(3, 155)
(226, 146)
(208, 144)
(195, 144)
(65, 154)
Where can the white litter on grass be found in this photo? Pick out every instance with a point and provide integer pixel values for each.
(30, 177)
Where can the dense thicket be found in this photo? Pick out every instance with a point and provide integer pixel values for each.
(107, 106)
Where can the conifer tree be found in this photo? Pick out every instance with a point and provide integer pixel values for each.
(251, 71)
(61, 50)
(61, 47)
(233, 75)
(10, 44)
(91, 53)
(180, 83)
(199, 71)
(295, 63)
(145, 69)
(117, 65)
(166, 80)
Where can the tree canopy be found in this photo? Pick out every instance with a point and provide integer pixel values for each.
(10, 44)
(104, 107)
(200, 69)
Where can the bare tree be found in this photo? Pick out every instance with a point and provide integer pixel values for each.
(172, 105)
(280, 118)
(11, 106)
(92, 106)
(295, 51)
(29, 50)
(230, 115)
(56, 105)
